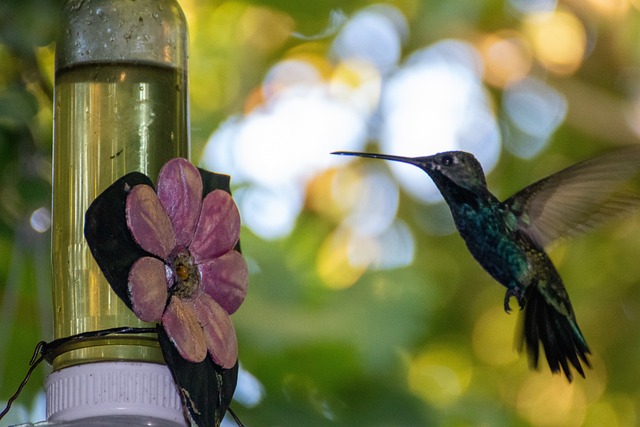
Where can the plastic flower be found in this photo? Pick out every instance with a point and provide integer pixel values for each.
(193, 278)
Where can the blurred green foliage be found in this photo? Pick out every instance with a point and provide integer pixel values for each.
(425, 344)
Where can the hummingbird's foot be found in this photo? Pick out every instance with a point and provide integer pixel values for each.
(513, 292)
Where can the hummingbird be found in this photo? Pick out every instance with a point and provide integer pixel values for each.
(508, 238)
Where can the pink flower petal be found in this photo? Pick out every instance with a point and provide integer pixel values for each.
(218, 330)
(180, 192)
(225, 279)
(181, 324)
(148, 222)
(218, 228)
(148, 288)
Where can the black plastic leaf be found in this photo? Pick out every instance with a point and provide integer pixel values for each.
(213, 181)
(205, 388)
(108, 236)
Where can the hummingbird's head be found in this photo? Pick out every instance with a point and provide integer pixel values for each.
(457, 168)
(450, 170)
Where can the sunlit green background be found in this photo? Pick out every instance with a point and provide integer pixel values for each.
(364, 308)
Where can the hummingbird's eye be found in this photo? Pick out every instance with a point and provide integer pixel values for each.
(447, 160)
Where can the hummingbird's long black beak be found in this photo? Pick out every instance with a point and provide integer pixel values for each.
(416, 161)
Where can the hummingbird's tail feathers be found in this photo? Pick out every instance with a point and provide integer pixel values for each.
(561, 339)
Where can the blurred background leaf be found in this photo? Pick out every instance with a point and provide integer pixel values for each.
(365, 309)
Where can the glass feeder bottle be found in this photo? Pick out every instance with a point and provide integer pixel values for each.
(121, 105)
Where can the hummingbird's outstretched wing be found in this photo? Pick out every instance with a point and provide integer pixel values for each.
(577, 198)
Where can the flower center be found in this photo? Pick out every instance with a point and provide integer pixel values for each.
(187, 277)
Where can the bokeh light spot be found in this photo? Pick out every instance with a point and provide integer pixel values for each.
(270, 213)
(611, 8)
(535, 110)
(374, 35)
(535, 107)
(359, 83)
(436, 102)
(287, 74)
(549, 400)
(398, 246)
(365, 201)
(533, 6)
(618, 411)
(559, 40)
(493, 337)
(40, 220)
(440, 375)
(292, 138)
(265, 29)
(507, 58)
(334, 259)
(249, 390)
(375, 204)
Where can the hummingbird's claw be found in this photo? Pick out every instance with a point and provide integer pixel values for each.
(507, 308)
(513, 292)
